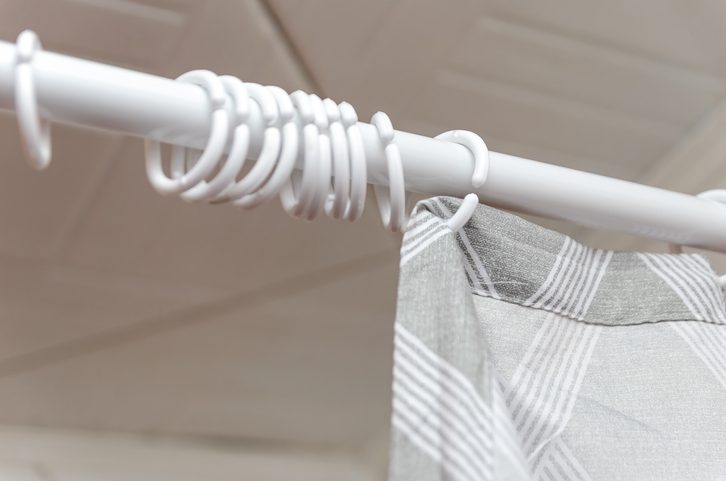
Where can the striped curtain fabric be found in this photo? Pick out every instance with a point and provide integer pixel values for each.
(521, 354)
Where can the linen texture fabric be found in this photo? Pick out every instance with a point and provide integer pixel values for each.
(521, 354)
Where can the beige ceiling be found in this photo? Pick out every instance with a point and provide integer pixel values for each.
(125, 312)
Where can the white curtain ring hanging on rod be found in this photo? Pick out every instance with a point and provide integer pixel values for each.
(480, 154)
(288, 153)
(358, 167)
(478, 149)
(338, 200)
(391, 199)
(271, 144)
(324, 157)
(234, 162)
(296, 200)
(35, 132)
(464, 213)
(212, 152)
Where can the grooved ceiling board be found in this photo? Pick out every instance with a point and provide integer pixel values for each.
(28, 454)
(523, 74)
(651, 92)
(138, 34)
(49, 310)
(684, 34)
(312, 368)
(37, 211)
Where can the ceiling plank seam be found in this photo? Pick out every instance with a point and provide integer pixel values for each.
(291, 48)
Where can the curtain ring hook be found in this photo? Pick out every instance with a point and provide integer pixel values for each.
(480, 153)
(391, 200)
(35, 132)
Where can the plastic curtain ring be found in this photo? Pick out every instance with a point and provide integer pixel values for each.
(238, 151)
(296, 200)
(213, 150)
(324, 157)
(715, 195)
(270, 147)
(358, 167)
(337, 202)
(480, 153)
(35, 132)
(391, 201)
(288, 155)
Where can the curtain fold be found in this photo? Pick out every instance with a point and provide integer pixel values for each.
(521, 354)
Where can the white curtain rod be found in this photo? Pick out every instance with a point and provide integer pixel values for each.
(75, 91)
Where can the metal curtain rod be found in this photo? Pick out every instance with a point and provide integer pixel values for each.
(75, 91)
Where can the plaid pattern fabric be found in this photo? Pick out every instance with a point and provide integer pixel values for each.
(521, 354)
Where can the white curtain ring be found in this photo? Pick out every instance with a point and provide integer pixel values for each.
(288, 155)
(35, 132)
(324, 158)
(298, 203)
(480, 154)
(478, 149)
(391, 200)
(358, 167)
(270, 147)
(464, 213)
(238, 151)
(338, 200)
(212, 152)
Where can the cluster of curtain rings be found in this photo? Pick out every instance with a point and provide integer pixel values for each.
(333, 178)
(332, 148)
(333, 175)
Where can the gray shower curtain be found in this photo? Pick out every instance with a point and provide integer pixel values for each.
(521, 354)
